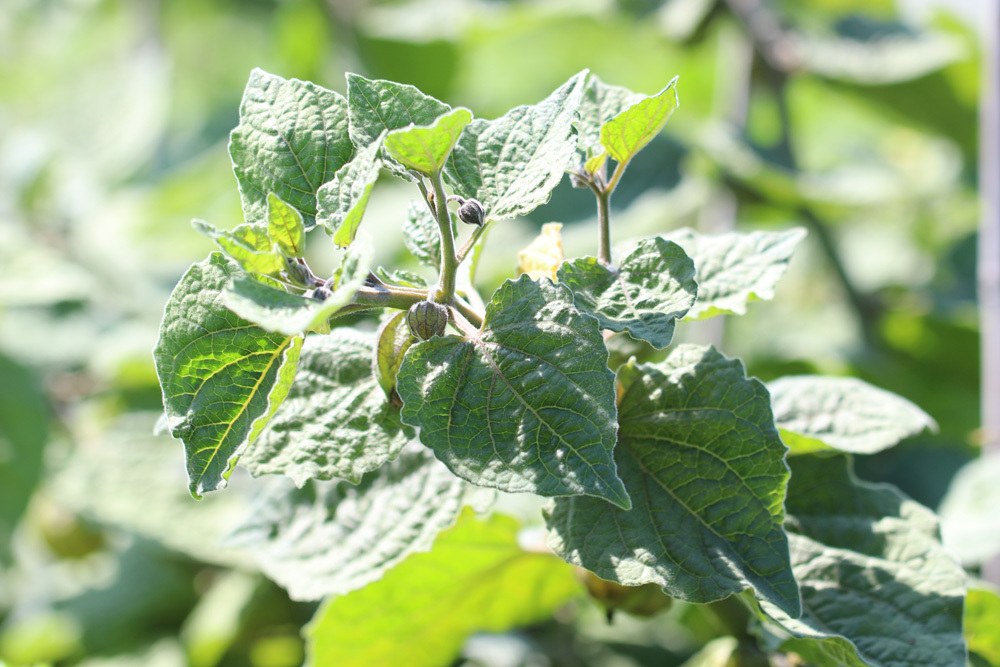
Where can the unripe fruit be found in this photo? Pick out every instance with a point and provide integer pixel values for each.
(427, 319)
(646, 600)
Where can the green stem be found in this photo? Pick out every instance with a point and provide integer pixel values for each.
(449, 262)
(386, 297)
(604, 222)
(467, 247)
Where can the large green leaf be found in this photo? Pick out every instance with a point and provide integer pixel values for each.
(222, 376)
(706, 471)
(291, 139)
(736, 268)
(335, 423)
(475, 578)
(651, 288)
(330, 538)
(24, 420)
(525, 405)
(982, 618)
(970, 522)
(342, 201)
(601, 102)
(512, 164)
(627, 133)
(376, 106)
(877, 587)
(274, 309)
(848, 414)
(249, 244)
(425, 148)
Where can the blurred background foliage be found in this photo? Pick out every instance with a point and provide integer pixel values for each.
(853, 118)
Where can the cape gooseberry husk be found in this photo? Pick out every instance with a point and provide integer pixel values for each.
(645, 600)
(427, 319)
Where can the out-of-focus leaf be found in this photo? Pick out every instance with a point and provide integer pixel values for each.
(332, 538)
(735, 269)
(970, 520)
(475, 578)
(24, 420)
(542, 257)
(816, 412)
(214, 624)
(982, 618)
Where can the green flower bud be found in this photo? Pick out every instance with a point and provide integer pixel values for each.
(427, 319)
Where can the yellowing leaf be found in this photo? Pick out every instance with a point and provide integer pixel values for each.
(542, 257)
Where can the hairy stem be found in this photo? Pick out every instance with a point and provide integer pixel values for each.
(468, 312)
(470, 243)
(604, 222)
(449, 262)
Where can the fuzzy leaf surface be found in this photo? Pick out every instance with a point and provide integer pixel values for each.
(329, 538)
(627, 133)
(285, 227)
(527, 405)
(737, 268)
(645, 295)
(248, 244)
(475, 578)
(222, 376)
(421, 235)
(342, 201)
(706, 471)
(335, 423)
(292, 137)
(816, 412)
(425, 148)
(512, 164)
(376, 106)
(274, 309)
(878, 588)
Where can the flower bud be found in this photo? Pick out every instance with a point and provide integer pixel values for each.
(471, 212)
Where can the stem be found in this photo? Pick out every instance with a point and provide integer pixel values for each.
(386, 297)
(470, 243)
(449, 262)
(604, 222)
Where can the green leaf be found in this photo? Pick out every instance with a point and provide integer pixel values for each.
(335, 422)
(222, 376)
(601, 102)
(645, 295)
(969, 517)
(706, 471)
(292, 138)
(425, 148)
(877, 587)
(816, 412)
(435, 600)
(24, 431)
(736, 268)
(512, 164)
(342, 201)
(627, 133)
(376, 106)
(982, 618)
(248, 244)
(276, 310)
(392, 341)
(284, 227)
(421, 235)
(525, 405)
(331, 538)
